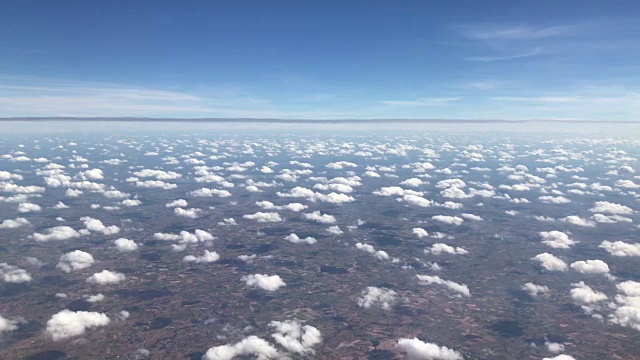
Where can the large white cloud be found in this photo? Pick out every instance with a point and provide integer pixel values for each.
(12, 224)
(97, 226)
(610, 208)
(294, 337)
(75, 260)
(439, 248)
(590, 267)
(125, 245)
(66, 323)
(14, 274)
(56, 233)
(321, 218)
(264, 217)
(620, 248)
(252, 345)
(417, 349)
(264, 282)
(452, 220)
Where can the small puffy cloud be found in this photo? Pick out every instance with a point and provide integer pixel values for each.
(56, 233)
(156, 184)
(106, 277)
(66, 323)
(413, 182)
(471, 217)
(557, 239)
(75, 260)
(395, 191)
(73, 193)
(560, 357)
(417, 349)
(158, 174)
(125, 245)
(334, 230)
(251, 345)
(207, 257)
(294, 337)
(321, 218)
(206, 192)
(264, 217)
(12, 224)
(297, 240)
(620, 248)
(96, 225)
(7, 325)
(28, 207)
(375, 296)
(576, 220)
(550, 262)
(115, 194)
(439, 248)
(418, 200)
(177, 203)
(534, 289)
(420, 232)
(584, 295)
(188, 213)
(95, 298)
(610, 208)
(590, 267)
(131, 202)
(264, 282)
(554, 199)
(340, 165)
(459, 288)
(452, 220)
(13, 274)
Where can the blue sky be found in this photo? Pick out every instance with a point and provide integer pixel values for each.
(321, 59)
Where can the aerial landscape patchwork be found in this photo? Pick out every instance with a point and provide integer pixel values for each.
(276, 245)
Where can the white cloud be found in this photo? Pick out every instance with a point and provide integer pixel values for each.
(125, 245)
(106, 277)
(156, 184)
(418, 200)
(75, 260)
(534, 289)
(584, 295)
(420, 232)
(460, 288)
(206, 192)
(97, 226)
(439, 248)
(177, 203)
(207, 257)
(28, 207)
(188, 213)
(12, 224)
(590, 267)
(7, 325)
(471, 217)
(382, 297)
(294, 337)
(297, 240)
(550, 262)
(334, 230)
(610, 208)
(576, 220)
(95, 298)
(13, 274)
(417, 349)
(557, 239)
(264, 217)
(452, 220)
(560, 357)
(620, 248)
(265, 282)
(252, 345)
(321, 218)
(66, 324)
(56, 233)
(131, 202)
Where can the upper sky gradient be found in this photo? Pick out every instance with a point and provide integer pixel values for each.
(321, 59)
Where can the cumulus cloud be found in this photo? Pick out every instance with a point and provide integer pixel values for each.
(610, 208)
(534, 289)
(554, 199)
(252, 345)
(7, 325)
(550, 262)
(590, 267)
(459, 288)
(207, 257)
(12, 224)
(156, 184)
(294, 337)
(14, 274)
(375, 296)
(264, 217)
(106, 277)
(206, 192)
(584, 294)
(452, 220)
(96, 225)
(297, 240)
(56, 233)
(66, 323)
(321, 218)
(557, 239)
(420, 232)
(264, 282)
(125, 245)
(75, 260)
(417, 349)
(177, 203)
(620, 248)
(576, 220)
(560, 357)
(188, 213)
(439, 248)
(334, 230)
(28, 207)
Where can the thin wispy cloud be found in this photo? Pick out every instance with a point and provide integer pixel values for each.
(427, 102)
(512, 56)
(519, 32)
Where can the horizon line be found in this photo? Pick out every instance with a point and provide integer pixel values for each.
(307, 121)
